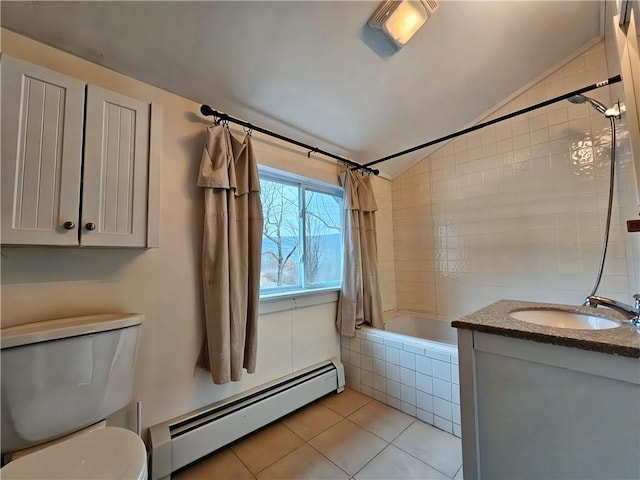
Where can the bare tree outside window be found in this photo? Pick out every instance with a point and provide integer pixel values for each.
(322, 259)
(302, 233)
(280, 207)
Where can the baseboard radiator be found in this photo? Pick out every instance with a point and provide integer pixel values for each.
(178, 442)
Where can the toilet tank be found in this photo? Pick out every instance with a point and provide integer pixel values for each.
(59, 376)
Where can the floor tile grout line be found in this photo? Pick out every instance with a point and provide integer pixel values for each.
(255, 476)
(280, 458)
(350, 413)
(425, 462)
(404, 430)
(355, 424)
(358, 397)
(285, 426)
(298, 448)
(344, 417)
(374, 433)
(371, 460)
(240, 460)
(417, 458)
(391, 442)
(319, 432)
(369, 431)
(369, 400)
(338, 466)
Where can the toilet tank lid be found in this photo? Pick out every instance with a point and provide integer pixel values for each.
(66, 327)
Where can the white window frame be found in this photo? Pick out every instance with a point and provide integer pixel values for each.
(324, 293)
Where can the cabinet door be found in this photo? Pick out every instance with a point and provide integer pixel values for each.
(42, 118)
(116, 163)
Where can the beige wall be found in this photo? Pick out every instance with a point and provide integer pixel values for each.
(517, 209)
(164, 283)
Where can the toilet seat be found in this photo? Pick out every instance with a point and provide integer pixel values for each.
(109, 452)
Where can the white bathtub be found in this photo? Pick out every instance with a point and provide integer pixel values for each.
(423, 327)
(400, 367)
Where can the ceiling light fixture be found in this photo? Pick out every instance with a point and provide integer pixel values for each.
(396, 21)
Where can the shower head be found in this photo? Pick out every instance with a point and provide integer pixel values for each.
(594, 103)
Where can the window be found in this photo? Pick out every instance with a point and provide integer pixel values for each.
(302, 234)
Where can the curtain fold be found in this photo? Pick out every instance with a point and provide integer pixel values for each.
(360, 302)
(231, 252)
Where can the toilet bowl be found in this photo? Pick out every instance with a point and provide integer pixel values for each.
(106, 453)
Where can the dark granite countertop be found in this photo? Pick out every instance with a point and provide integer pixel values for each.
(495, 319)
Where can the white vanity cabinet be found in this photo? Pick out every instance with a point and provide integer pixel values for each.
(79, 162)
(536, 410)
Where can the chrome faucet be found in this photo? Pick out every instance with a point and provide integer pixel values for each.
(632, 313)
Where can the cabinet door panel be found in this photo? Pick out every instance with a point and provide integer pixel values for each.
(116, 166)
(42, 117)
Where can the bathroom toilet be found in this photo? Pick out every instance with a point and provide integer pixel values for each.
(60, 380)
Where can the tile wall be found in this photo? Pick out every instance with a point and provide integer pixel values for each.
(411, 375)
(517, 209)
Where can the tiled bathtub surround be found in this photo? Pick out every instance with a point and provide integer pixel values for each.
(517, 209)
(410, 374)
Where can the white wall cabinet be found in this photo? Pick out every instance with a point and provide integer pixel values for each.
(79, 162)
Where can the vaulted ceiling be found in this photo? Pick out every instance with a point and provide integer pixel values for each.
(314, 71)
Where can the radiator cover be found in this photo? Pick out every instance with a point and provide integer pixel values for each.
(185, 439)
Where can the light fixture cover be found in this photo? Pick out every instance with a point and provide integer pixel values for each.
(396, 21)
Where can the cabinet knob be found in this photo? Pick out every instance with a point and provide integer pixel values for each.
(90, 226)
(69, 225)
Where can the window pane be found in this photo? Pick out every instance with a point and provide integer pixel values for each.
(280, 235)
(323, 238)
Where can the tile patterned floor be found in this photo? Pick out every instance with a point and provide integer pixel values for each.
(340, 436)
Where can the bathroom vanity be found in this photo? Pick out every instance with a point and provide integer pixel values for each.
(547, 402)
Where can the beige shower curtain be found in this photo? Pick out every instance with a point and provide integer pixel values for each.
(360, 301)
(230, 255)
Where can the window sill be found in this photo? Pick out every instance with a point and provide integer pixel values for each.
(283, 301)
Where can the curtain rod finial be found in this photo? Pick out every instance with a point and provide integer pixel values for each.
(207, 110)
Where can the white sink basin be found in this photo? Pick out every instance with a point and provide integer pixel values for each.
(564, 319)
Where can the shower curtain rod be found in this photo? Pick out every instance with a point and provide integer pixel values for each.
(206, 110)
(612, 80)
